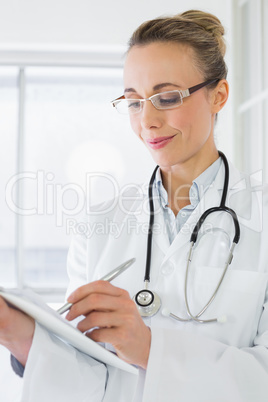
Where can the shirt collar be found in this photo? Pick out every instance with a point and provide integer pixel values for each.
(198, 188)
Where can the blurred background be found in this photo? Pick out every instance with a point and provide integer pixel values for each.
(61, 141)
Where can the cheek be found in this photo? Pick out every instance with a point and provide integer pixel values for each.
(191, 119)
(182, 120)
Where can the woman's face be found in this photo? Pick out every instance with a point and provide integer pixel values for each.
(174, 136)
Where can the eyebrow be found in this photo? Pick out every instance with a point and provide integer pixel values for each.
(156, 87)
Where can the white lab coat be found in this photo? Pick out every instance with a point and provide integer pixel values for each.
(188, 361)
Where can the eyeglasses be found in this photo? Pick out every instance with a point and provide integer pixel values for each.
(161, 101)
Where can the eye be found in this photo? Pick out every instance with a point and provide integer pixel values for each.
(133, 104)
(167, 99)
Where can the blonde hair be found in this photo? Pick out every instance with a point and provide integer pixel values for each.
(202, 31)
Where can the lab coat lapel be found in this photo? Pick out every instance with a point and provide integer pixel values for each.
(209, 199)
(160, 236)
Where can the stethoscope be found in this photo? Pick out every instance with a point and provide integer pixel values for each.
(149, 302)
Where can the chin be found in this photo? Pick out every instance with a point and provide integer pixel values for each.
(165, 161)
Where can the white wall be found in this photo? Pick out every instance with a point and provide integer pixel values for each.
(83, 23)
(87, 21)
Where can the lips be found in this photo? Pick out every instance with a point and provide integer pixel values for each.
(159, 142)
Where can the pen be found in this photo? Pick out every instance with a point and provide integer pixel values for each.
(108, 277)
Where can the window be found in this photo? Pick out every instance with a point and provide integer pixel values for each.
(8, 157)
(251, 85)
(71, 144)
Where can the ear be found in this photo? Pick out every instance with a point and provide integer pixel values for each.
(219, 96)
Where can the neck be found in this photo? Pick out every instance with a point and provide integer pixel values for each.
(178, 179)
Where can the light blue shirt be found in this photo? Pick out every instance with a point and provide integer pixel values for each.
(198, 188)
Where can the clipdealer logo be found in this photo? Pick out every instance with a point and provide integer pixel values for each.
(53, 199)
(248, 195)
(68, 200)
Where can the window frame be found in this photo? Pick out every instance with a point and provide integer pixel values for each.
(250, 146)
(23, 58)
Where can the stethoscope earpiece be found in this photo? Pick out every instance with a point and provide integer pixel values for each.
(165, 312)
(222, 319)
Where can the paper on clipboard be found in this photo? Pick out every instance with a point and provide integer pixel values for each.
(33, 305)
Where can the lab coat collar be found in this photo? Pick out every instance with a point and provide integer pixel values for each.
(236, 180)
(210, 198)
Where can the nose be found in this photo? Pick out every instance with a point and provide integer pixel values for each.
(150, 116)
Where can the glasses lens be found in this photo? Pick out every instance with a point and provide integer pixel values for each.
(167, 100)
(126, 106)
(133, 105)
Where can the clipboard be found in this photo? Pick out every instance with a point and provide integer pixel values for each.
(33, 305)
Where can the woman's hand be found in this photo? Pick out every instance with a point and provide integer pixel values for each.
(16, 331)
(115, 319)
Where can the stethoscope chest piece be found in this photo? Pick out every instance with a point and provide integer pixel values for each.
(148, 303)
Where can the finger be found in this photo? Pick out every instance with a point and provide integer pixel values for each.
(95, 301)
(118, 337)
(104, 335)
(3, 308)
(125, 315)
(6, 311)
(131, 345)
(100, 302)
(2, 302)
(101, 320)
(102, 287)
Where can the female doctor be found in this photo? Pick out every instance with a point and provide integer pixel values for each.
(195, 324)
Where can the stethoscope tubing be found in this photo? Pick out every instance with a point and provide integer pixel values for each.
(196, 317)
(221, 208)
(150, 229)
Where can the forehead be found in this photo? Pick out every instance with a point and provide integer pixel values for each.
(159, 62)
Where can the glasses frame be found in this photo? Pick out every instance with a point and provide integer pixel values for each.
(183, 94)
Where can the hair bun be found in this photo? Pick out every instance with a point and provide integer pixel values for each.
(210, 23)
(202, 32)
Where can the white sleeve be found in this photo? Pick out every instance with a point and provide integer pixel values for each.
(55, 371)
(76, 263)
(189, 366)
(58, 372)
(80, 262)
